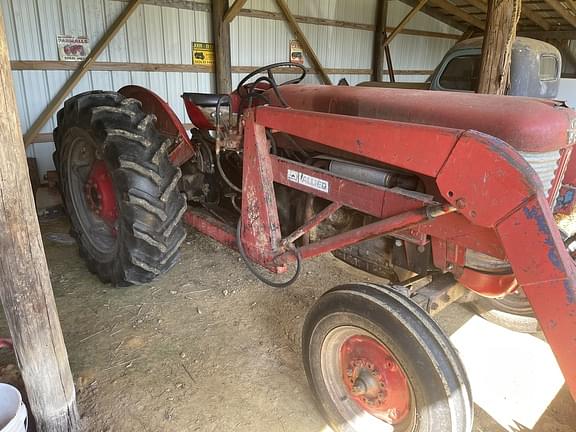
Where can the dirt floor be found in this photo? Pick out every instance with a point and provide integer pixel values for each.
(208, 348)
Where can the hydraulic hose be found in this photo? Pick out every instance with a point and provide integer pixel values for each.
(255, 272)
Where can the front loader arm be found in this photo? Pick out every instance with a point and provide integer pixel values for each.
(482, 177)
(492, 186)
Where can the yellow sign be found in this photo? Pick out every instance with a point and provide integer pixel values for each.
(202, 53)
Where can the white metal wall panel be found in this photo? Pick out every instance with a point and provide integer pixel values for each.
(156, 34)
(338, 47)
(398, 10)
(415, 52)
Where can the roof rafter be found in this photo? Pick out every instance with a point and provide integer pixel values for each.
(563, 11)
(458, 12)
(438, 14)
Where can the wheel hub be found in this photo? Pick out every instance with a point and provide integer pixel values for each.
(99, 193)
(374, 379)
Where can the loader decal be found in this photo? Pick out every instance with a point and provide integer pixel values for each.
(307, 180)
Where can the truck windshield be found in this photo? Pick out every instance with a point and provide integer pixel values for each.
(461, 73)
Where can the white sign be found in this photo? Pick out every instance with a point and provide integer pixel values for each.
(73, 48)
(306, 180)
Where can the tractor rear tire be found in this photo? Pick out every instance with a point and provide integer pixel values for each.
(376, 361)
(119, 187)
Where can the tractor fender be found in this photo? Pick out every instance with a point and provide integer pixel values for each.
(167, 122)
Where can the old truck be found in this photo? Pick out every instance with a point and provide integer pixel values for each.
(456, 186)
(534, 71)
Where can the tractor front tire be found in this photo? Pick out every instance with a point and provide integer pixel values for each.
(119, 187)
(376, 362)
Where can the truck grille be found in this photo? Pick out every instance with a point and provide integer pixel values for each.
(545, 165)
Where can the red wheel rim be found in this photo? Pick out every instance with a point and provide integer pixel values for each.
(99, 193)
(374, 380)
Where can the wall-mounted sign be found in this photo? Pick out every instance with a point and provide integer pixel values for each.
(72, 48)
(202, 53)
(296, 53)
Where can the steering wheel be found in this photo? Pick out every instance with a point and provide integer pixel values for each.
(268, 69)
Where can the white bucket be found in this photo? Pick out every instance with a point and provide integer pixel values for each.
(13, 413)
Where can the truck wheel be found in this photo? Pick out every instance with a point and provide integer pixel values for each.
(119, 188)
(376, 362)
(512, 311)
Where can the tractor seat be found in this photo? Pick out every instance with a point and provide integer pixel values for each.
(205, 100)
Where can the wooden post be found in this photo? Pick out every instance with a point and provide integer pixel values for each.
(297, 31)
(501, 21)
(80, 72)
(221, 35)
(25, 289)
(378, 44)
(389, 63)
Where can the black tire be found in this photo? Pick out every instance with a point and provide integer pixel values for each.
(512, 311)
(144, 240)
(440, 391)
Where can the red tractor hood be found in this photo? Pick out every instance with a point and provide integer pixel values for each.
(527, 124)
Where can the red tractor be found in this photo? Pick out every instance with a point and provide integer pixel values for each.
(456, 190)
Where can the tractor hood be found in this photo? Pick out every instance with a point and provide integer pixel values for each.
(527, 124)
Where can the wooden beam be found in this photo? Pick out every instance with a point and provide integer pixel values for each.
(458, 12)
(438, 14)
(109, 66)
(478, 4)
(303, 41)
(341, 24)
(255, 13)
(404, 22)
(233, 11)
(552, 34)
(25, 288)
(535, 17)
(377, 44)
(178, 4)
(80, 72)
(467, 34)
(562, 11)
(526, 12)
(221, 37)
(502, 19)
(572, 5)
(161, 67)
(425, 33)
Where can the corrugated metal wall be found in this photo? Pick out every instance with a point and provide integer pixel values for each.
(158, 34)
(255, 41)
(417, 52)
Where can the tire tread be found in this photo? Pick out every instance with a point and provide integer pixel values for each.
(150, 203)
